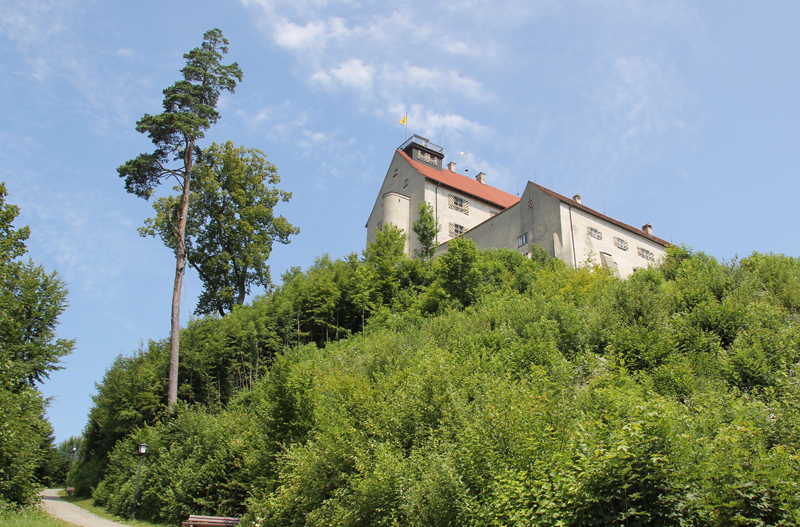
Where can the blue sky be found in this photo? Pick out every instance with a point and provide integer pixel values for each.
(682, 114)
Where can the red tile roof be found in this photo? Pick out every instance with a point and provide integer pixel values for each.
(464, 184)
(593, 212)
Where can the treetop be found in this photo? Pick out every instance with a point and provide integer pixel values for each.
(189, 110)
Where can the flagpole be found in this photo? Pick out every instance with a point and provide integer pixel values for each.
(404, 121)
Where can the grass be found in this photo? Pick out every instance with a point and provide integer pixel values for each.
(87, 505)
(31, 517)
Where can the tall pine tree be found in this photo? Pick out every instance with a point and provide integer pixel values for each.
(189, 110)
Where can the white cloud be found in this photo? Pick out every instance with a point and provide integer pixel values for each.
(600, 72)
(433, 124)
(44, 35)
(354, 74)
(29, 23)
(92, 243)
(271, 113)
(292, 36)
(640, 97)
(421, 78)
(323, 78)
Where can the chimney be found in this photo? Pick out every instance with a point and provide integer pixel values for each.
(451, 166)
(576, 197)
(481, 178)
(647, 228)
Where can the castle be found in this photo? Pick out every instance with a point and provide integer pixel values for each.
(468, 207)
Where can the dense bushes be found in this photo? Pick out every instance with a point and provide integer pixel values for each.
(491, 390)
(21, 432)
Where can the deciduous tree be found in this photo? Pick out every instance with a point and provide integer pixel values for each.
(189, 110)
(31, 301)
(457, 270)
(384, 256)
(426, 228)
(231, 226)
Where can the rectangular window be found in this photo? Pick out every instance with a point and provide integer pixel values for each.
(456, 230)
(405, 184)
(644, 253)
(458, 204)
(522, 240)
(594, 233)
(620, 243)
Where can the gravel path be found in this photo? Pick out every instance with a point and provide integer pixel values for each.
(59, 508)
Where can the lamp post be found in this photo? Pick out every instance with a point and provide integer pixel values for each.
(71, 460)
(142, 450)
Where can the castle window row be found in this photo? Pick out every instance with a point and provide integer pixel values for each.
(594, 233)
(644, 253)
(456, 230)
(620, 243)
(458, 204)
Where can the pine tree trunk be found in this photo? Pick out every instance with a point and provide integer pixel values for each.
(180, 266)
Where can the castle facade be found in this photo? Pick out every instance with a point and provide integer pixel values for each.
(563, 227)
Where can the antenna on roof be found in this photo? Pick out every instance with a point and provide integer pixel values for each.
(534, 175)
(604, 205)
(466, 163)
(517, 187)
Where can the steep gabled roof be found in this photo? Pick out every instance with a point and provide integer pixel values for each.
(469, 186)
(593, 212)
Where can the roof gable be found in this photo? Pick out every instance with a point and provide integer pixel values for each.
(593, 212)
(464, 184)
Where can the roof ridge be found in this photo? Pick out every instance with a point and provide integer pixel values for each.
(467, 185)
(609, 219)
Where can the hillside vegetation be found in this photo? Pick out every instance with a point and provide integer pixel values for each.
(484, 389)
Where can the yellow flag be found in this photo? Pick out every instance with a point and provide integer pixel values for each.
(404, 119)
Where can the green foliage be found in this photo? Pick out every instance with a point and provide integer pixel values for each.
(31, 300)
(384, 257)
(189, 110)
(22, 432)
(53, 469)
(526, 393)
(231, 225)
(426, 228)
(778, 274)
(193, 465)
(12, 240)
(457, 272)
(132, 395)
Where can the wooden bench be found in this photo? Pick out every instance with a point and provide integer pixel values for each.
(210, 521)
